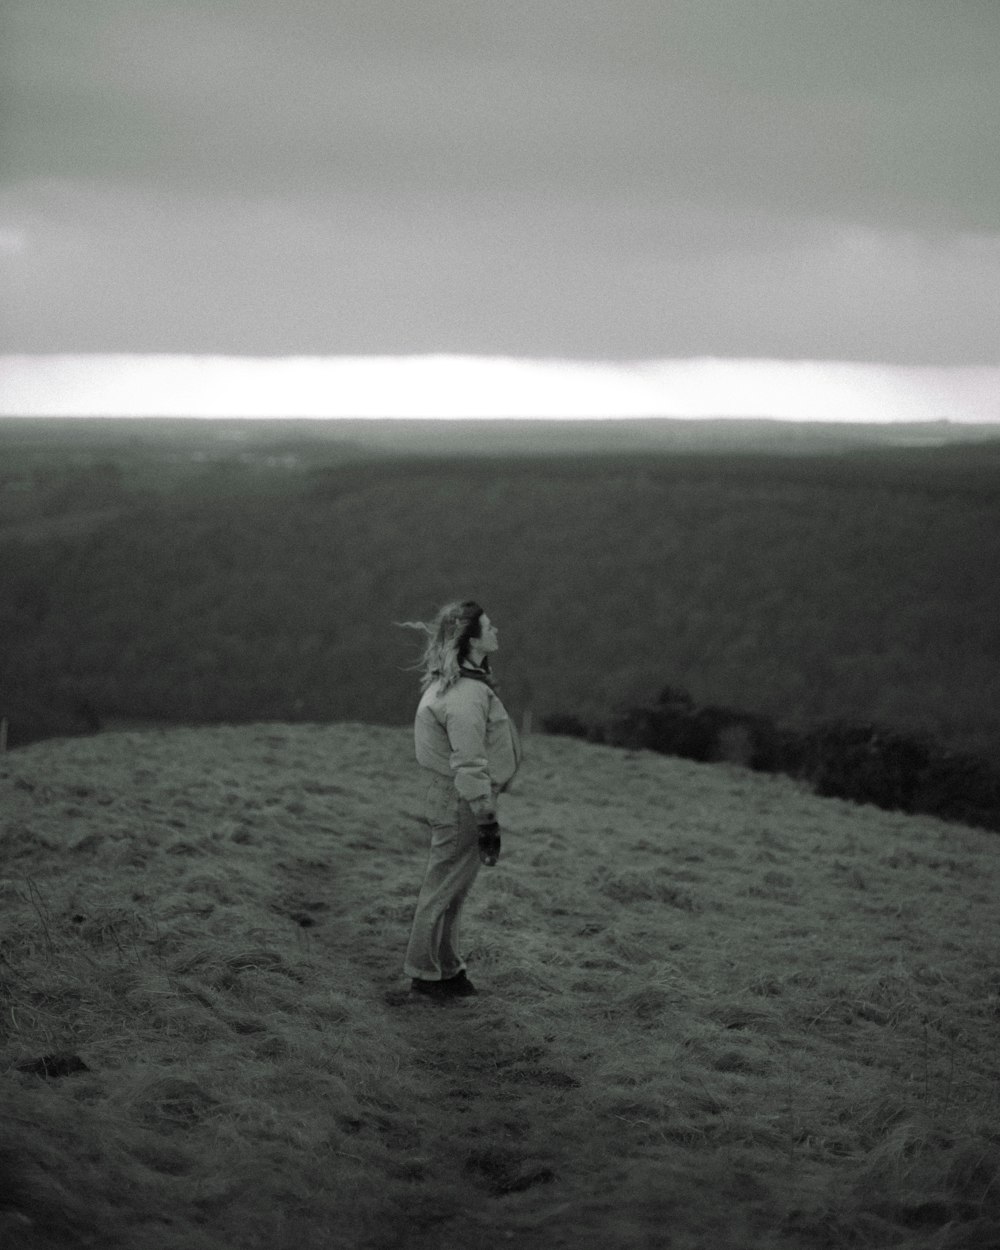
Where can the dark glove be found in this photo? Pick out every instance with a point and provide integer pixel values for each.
(489, 843)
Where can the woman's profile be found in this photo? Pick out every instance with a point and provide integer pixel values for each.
(469, 750)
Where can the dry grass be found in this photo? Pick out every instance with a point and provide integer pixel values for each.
(716, 1011)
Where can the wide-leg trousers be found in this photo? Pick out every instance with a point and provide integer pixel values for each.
(434, 953)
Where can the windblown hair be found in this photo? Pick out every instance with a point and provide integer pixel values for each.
(449, 637)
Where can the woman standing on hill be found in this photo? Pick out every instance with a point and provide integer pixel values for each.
(470, 751)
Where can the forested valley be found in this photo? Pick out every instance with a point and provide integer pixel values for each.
(146, 583)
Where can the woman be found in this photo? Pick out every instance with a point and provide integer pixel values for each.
(469, 749)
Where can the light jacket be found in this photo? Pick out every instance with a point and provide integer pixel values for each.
(465, 733)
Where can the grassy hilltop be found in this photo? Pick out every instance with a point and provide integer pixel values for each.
(715, 1011)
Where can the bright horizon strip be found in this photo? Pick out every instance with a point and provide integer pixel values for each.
(461, 386)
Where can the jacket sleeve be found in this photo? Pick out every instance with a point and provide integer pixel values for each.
(465, 724)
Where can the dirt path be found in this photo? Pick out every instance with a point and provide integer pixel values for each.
(498, 1124)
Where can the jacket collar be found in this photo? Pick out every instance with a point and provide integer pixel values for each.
(478, 674)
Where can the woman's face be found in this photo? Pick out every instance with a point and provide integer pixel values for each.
(488, 642)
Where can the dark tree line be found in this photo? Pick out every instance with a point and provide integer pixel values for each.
(864, 763)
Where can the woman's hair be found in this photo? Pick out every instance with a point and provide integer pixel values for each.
(449, 637)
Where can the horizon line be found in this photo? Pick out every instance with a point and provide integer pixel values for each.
(452, 386)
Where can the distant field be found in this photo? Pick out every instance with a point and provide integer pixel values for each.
(157, 438)
(714, 1011)
(193, 572)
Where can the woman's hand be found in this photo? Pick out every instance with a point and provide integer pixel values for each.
(489, 843)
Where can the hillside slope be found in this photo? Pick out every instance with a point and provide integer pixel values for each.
(714, 1009)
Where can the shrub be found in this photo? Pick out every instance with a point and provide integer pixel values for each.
(673, 725)
(900, 772)
(864, 763)
(960, 787)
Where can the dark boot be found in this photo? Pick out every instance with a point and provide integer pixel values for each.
(459, 986)
(429, 989)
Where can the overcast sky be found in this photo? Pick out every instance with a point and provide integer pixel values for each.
(630, 179)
